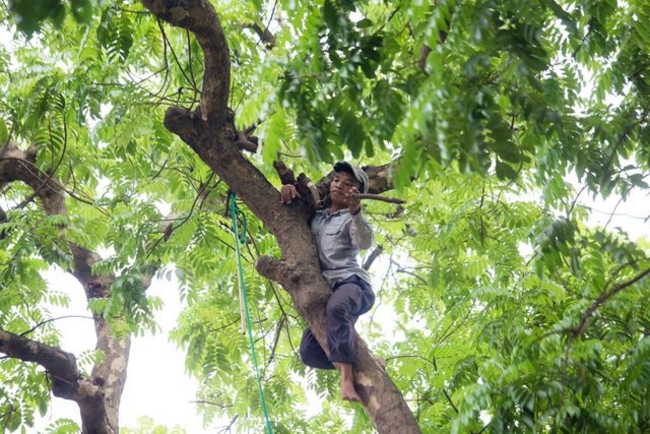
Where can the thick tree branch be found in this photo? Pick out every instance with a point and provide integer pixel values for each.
(380, 397)
(66, 380)
(58, 363)
(293, 278)
(15, 166)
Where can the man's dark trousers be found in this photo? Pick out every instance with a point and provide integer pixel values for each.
(350, 298)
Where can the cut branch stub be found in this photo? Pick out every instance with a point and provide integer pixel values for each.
(286, 175)
(309, 192)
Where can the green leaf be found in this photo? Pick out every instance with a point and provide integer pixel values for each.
(82, 10)
(330, 14)
(352, 132)
(29, 14)
(364, 23)
(4, 133)
(505, 171)
(43, 406)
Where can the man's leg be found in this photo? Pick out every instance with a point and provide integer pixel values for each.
(311, 353)
(348, 301)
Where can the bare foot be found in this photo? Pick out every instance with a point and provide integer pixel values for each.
(348, 392)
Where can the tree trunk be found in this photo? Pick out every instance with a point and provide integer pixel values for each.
(98, 397)
(209, 133)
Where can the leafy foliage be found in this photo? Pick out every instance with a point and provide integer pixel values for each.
(146, 424)
(501, 306)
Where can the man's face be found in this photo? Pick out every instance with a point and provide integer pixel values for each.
(341, 185)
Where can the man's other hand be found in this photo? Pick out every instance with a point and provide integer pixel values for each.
(288, 193)
(353, 202)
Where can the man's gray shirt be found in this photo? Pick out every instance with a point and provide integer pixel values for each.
(339, 238)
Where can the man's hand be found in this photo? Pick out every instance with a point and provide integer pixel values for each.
(288, 193)
(353, 202)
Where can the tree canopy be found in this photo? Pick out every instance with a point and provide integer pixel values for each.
(125, 127)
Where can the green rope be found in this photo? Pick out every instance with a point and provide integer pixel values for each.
(241, 239)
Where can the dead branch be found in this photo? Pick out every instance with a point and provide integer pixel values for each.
(264, 34)
(379, 197)
(373, 256)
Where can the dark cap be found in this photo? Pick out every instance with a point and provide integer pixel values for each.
(360, 175)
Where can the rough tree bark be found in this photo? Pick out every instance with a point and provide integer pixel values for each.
(208, 132)
(99, 396)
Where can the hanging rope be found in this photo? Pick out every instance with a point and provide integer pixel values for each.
(243, 303)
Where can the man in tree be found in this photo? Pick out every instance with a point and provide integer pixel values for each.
(340, 232)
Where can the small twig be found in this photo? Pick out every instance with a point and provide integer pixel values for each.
(449, 400)
(55, 167)
(131, 11)
(229, 427)
(379, 197)
(217, 404)
(611, 215)
(165, 82)
(6, 415)
(189, 62)
(178, 62)
(54, 319)
(449, 331)
(223, 326)
(604, 297)
(388, 20)
(167, 232)
(575, 201)
(410, 273)
(276, 339)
